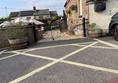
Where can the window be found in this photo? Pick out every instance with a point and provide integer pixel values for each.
(28, 18)
(45, 16)
(40, 16)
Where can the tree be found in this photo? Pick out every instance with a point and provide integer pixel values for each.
(5, 19)
(56, 18)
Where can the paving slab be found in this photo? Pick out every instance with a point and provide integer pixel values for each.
(56, 52)
(97, 57)
(17, 66)
(64, 73)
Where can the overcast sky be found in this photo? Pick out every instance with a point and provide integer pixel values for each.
(16, 5)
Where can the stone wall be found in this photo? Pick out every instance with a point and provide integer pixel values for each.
(75, 18)
(3, 39)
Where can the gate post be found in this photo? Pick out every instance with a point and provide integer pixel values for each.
(34, 30)
(51, 31)
(84, 28)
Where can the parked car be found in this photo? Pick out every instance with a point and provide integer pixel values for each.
(113, 26)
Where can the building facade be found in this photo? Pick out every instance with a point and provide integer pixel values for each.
(38, 14)
(102, 17)
(76, 10)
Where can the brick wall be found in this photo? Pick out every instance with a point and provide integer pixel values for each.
(74, 19)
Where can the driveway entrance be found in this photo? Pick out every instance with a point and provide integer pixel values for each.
(72, 61)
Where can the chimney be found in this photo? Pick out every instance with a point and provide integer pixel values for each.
(34, 8)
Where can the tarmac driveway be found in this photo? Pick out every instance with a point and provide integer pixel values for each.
(73, 61)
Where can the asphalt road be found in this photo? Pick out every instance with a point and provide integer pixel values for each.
(73, 61)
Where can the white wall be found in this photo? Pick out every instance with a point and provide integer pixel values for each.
(102, 19)
(25, 17)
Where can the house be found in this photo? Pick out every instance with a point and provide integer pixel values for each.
(42, 14)
(14, 15)
(76, 10)
(53, 13)
(100, 12)
(27, 15)
(38, 14)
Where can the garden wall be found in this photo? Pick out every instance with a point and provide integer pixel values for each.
(3, 39)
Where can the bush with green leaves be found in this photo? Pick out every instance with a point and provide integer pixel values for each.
(94, 27)
(69, 12)
(16, 31)
(5, 19)
(73, 7)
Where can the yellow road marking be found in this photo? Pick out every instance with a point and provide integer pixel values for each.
(13, 55)
(8, 57)
(37, 56)
(50, 64)
(76, 44)
(97, 47)
(40, 48)
(106, 43)
(91, 67)
(75, 64)
(2, 52)
(69, 45)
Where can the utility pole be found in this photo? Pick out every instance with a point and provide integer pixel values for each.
(6, 11)
(51, 32)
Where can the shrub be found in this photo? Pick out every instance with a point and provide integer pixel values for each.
(69, 12)
(73, 7)
(94, 27)
(16, 31)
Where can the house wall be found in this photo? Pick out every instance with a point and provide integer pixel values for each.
(72, 19)
(14, 18)
(43, 17)
(77, 16)
(26, 17)
(102, 19)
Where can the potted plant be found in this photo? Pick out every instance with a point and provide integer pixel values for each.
(17, 36)
(94, 31)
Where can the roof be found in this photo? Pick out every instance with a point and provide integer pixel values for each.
(26, 13)
(67, 1)
(44, 11)
(32, 12)
(14, 14)
(53, 12)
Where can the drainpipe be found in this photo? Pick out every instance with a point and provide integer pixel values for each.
(77, 9)
(89, 13)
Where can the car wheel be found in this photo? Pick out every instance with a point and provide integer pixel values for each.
(116, 33)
